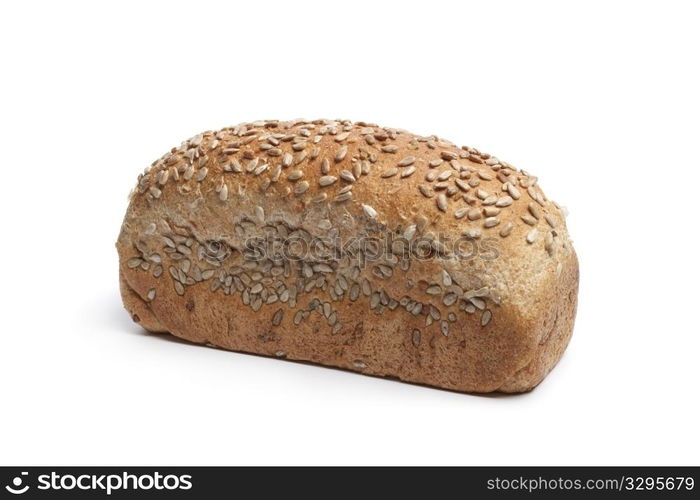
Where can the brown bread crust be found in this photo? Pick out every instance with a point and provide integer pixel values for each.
(484, 300)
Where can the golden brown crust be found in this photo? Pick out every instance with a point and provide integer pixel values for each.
(138, 308)
(557, 327)
(475, 290)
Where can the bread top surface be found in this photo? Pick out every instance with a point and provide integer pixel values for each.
(417, 222)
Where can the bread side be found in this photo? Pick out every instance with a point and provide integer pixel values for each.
(356, 246)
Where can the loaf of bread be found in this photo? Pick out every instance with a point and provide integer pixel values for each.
(354, 246)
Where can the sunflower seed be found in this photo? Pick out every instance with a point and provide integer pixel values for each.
(356, 170)
(235, 166)
(449, 299)
(260, 214)
(531, 236)
(485, 317)
(405, 162)
(322, 268)
(340, 154)
(513, 191)
(327, 180)
(446, 278)
(295, 175)
(473, 214)
(262, 168)
(549, 243)
(462, 185)
(301, 188)
(252, 165)
(506, 229)
(415, 337)
(277, 318)
(445, 328)
(333, 318)
(408, 171)
(491, 221)
(163, 177)
(444, 175)
(534, 210)
(473, 233)
(478, 302)
(347, 176)
(369, 211)
(529, 219)
(461, 212)
(173, 272)
(410, 232)
(319, 198)
(354, 292)
(366, 287)
(505, 201)
(343, 197)
(298, 317)
(442, 202)
(425, 191)
(390, 172)
(134, 262)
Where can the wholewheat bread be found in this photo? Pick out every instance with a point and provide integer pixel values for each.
(354, 246)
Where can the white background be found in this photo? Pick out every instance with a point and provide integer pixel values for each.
(599, 99)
